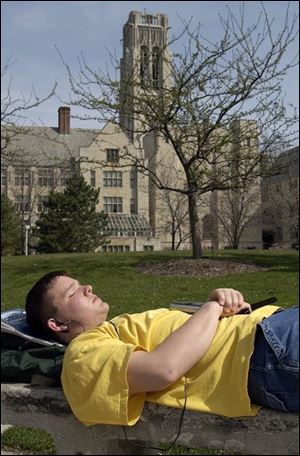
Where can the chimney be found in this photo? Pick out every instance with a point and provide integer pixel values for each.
(64, 120)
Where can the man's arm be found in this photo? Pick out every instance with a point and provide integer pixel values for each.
(179, 352)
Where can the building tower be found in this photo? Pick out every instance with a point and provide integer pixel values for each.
(144, 68)
(144, 62)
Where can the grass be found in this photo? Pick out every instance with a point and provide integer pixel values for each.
(28, 440)
(115, 278)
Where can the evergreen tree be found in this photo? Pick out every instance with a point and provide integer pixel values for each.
(70, 222)
(10, 228)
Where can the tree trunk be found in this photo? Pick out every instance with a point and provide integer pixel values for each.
(195, 226)
(236, 239)
(173, 244)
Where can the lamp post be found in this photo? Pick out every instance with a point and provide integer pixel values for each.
(27, 228)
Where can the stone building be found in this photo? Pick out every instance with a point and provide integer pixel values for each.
(139, 215)
(39, 159)
(280, 202)
(146, 60)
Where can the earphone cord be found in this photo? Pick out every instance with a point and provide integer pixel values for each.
(178, 433)
(180, 421)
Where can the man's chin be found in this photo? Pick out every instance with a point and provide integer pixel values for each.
(106, 306)
(104, 309)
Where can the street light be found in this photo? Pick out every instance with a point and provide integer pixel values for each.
(27, 228)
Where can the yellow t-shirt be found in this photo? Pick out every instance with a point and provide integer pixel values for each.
(95, 363)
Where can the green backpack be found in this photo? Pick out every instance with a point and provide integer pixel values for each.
(23, 361)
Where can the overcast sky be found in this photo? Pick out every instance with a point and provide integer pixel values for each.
(30, 30)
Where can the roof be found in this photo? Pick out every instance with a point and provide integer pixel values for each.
(44, 145)
(127, 225)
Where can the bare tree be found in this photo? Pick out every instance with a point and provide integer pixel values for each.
(237, 210)
(14, 109)
(175, 222)
(198, 102)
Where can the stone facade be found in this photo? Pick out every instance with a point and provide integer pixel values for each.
(280, 202)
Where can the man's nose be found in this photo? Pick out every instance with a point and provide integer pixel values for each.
(88, 289)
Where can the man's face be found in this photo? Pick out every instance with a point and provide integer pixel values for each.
(77, 302)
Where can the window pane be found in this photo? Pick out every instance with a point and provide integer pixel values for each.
(112, 155)
(93, 178)
(45, 177)
(112, 179)
(112, 204)
(65, 175)
(22, 176)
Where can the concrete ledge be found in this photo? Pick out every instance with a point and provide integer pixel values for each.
(270, 432)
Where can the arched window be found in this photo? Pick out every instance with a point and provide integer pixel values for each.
(144, 64)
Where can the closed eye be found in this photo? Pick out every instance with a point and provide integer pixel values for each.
(72, 289)
(73, 293)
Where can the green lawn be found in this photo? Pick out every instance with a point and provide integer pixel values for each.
(115, 278)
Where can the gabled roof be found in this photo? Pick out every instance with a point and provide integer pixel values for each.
(44, 145)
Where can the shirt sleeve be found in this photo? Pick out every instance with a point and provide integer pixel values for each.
(94, 380)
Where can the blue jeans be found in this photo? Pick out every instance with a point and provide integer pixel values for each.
(274, 365)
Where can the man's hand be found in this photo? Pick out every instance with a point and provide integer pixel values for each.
(231, 300)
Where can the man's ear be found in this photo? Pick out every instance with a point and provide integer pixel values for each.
(55, 326)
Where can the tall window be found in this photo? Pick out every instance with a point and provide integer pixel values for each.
(144, 64)
(45, 177)
(155, 67)
(132, 179)
(132, 206)
(112, 204)
(112, 179)
(93, 178)
(112, 155)
(22, 176)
